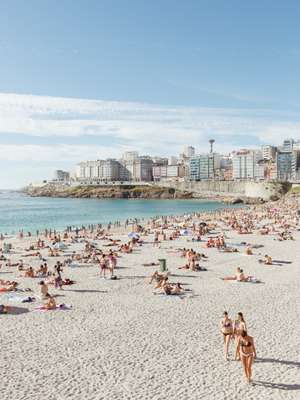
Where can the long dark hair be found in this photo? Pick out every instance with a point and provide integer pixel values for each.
(240, 314)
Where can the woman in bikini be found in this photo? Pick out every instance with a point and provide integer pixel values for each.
(103, 265)
(227, 331)
(247, 352)
(238, 327)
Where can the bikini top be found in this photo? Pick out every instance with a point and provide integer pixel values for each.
(227, 324)
(245, 344)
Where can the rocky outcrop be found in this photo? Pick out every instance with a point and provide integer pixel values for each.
(107, 192)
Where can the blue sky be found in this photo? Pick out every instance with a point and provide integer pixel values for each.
(90, 79)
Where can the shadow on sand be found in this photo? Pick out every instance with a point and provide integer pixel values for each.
(277, 361)
(13, 310)
(280, 386)
(86, 291)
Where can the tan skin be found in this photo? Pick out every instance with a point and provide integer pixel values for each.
(247, 351)
(227, 331)
(51, 304)
(238, 327)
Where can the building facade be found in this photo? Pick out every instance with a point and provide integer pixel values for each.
(246, 165)
(284, 165)
(202, 167)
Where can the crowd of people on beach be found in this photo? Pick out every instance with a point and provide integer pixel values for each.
(102, 246)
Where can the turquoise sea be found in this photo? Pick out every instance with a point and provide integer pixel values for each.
(18, 211)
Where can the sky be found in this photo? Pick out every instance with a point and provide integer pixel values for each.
(91, 79)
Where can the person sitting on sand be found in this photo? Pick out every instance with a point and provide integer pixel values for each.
(51, 304)
(227, 331)
(268, 260)
(29, 273)
(249, 251)
(247, 351)
(160, 279)
(44, 290)
(43, 270)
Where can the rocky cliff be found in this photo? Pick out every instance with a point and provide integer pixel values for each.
(107, 192)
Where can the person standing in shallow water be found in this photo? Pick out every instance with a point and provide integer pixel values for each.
(227, 331)
(247, 351)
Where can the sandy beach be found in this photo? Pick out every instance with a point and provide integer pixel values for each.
(119, 340)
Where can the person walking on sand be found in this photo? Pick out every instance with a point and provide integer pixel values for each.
(103, 265)
(247, 351)
(238, 327)
(227, 331)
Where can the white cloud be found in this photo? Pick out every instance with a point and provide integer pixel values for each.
(148, 128)
(54, 154)
(139, 125)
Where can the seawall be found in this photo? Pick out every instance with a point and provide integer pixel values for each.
(263, 190)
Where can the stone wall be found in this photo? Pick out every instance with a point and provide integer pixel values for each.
(264, 190)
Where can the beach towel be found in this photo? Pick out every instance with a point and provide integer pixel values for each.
(58, 307)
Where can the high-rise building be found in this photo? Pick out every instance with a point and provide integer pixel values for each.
(288, 145)
(172, 160)
(99, 170)
(245, 165)
(139, 169)
(284, 165)
(268, 152)
(61, 176)
(130, 156)
(189, 151)
(167, 172)
(295, 165)
(202, 167)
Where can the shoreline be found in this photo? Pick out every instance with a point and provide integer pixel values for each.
(194, 205)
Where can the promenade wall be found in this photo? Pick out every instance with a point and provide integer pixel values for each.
(264, 190)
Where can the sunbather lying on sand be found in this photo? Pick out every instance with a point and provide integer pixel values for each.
(152, 264)
(229, 250)
(239, 276)
(9, 288)
(267, 260)
(172, 288)
(3, 309)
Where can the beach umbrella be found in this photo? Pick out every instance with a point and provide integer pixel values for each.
(59, 245)
(184, 232)
(133, 235)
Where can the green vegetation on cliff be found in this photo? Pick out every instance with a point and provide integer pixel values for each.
(107, 192)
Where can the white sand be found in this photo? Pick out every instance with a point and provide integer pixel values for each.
(120, 341)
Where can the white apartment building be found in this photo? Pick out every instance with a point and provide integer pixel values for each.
(167, 172)
(189, 151)
(268, 152)
(130, 156)
(139, 169)
(245, 165)
(99, 170)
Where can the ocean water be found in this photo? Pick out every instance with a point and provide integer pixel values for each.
(18, 211)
